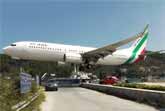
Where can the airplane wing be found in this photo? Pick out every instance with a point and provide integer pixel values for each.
(94, 55)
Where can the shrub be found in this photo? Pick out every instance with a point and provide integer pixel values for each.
(142, 86)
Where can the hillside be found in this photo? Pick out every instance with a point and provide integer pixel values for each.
(153, 65)
(10, 66)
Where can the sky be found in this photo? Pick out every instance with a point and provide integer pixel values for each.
(93, 23)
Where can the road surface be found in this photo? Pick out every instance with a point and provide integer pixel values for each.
(80, 99)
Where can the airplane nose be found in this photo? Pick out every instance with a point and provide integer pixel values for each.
(6, 50)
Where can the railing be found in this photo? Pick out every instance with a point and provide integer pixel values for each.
(21, 105)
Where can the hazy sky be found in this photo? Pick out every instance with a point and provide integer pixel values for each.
(79, 22)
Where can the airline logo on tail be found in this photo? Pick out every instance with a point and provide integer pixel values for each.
(139, 47)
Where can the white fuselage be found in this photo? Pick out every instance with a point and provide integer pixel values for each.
(57, 52)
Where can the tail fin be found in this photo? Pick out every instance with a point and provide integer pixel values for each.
(139, 46)
(142, 41)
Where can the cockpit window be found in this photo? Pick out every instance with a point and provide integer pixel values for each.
(13, 44)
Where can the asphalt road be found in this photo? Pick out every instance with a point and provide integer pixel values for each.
(80, 99)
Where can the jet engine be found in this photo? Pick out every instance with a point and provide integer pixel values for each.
(72, 58)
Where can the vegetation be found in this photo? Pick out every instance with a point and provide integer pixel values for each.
(35, 105)
(10, 81)
(10, 93)
(8, 65)
(142, 86)
(154, 65)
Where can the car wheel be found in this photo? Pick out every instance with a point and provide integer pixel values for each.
(56, 89)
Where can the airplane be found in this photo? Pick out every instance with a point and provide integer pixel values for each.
(85, 56)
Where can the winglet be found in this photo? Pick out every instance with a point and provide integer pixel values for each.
(142, 34)
(146, 29)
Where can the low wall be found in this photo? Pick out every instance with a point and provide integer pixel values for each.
(154, 98)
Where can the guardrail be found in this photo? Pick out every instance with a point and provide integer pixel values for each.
(21, 105)
(154, 98)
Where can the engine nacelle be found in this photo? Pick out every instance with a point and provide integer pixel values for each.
(60, 63)
(72, 58)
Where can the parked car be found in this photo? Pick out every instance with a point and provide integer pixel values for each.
(109, 80)
(51, 85)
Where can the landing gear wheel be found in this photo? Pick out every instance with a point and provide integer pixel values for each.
(89, 66)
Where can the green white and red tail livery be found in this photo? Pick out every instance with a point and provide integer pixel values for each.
(139, 48)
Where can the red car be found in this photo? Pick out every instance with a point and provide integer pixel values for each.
(110, 80)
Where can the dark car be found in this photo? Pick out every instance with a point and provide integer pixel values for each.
(51, 85)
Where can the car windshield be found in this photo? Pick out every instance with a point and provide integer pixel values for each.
(13, 44)
(52, 81)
